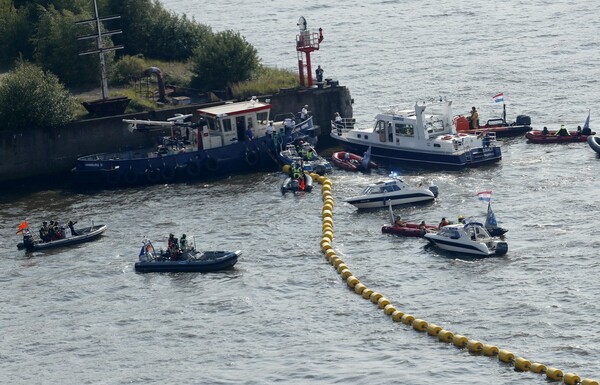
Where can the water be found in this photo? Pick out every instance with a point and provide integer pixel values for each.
(83, 316)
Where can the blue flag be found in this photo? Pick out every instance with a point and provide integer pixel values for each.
(490, 219)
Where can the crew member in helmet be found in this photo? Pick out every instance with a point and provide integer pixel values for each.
(461, 219)
(44, 232)
(183, 243)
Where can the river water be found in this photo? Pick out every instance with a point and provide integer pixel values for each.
(283, 314)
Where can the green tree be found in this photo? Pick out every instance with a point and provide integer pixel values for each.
(15, 31)
(32, 98)
(57, 48)
(223, 59)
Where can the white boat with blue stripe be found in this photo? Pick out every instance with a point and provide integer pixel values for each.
(423, 136)
(391, 192)
(470, 238)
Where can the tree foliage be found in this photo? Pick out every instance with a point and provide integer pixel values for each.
(32, 98)
(222, 59)
(57, 48)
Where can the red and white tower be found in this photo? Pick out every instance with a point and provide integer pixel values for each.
(306, 42)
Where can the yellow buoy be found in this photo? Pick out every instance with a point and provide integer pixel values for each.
(328, 234)
(459, 340)
(352, 281)
(359, 287)
(367, 293)
(327, 206)
(333, 260)
(571, 379)
(536, 367)
(338, 262)
(327, 214)
(522, 364)
(445, 335)
(382, 302)
(589, 381)
(375, 297)
(340, 267)
(328, 220)
(407, 319)
(389, 309)
(329, 201)
(286, 168)
(325, 245)
(327, 227)
(397, 315)
(554, 374)
(330, 252)
(433, 330)
(505, 355)
(489, 350)
(345, 273)
(419, 325)
(474, 346)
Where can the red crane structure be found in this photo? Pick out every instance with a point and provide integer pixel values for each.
(306, 42)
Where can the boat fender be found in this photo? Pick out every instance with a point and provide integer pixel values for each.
(152, 174)
(112, 178)
(192, 168)
(210, 164)
(447, 137)
(131, 177)
(167, 173)
(252, 157)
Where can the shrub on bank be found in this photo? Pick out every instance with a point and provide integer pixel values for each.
(32, 98)
(265, 81)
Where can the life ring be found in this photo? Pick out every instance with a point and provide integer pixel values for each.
(447, 137)
(167, 173)
(112, 177)
(131, 177)
(210, 164)
(192, 168)
(252, 158)
(152, 174)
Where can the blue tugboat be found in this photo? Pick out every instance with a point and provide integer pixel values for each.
(221, 140)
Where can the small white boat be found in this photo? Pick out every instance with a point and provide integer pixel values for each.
(392, 191)
(470, 238)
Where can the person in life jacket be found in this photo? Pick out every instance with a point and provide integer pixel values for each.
(296, 170)
(562, 131)
(44, 232)
(474, 118)
(183, 243)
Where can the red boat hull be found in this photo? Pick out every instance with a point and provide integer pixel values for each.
(408, 230)
(353, 163)
(538, 137)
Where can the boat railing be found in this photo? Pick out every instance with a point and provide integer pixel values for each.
(343, 125)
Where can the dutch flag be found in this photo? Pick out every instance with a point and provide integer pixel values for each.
(485, 196)
(499, 98)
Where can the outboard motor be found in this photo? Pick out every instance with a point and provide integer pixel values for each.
(523, 120)
(434, 189)
(501, 248)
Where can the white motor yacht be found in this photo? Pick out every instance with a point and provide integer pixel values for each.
(392, 191)
(470, 238)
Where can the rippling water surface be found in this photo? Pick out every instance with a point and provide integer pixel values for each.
(83, 316)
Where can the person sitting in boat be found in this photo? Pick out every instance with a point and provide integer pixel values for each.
(183, 243)
(249, 134)
(304, 113)
(399, 221)
(474, 119)
(545, 131)
(461, 219)
(586, 131)
(562, 131)
(578, 130)
(71, 225)
(443, 223)
(57, 231)
(310, 153)
(423, 226)
(44, 232)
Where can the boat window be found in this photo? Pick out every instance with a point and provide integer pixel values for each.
(226, 123)
(212, 124)
(405, 129)
(379, 127)
(396, 188)
(262, 117)
(250, 124)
